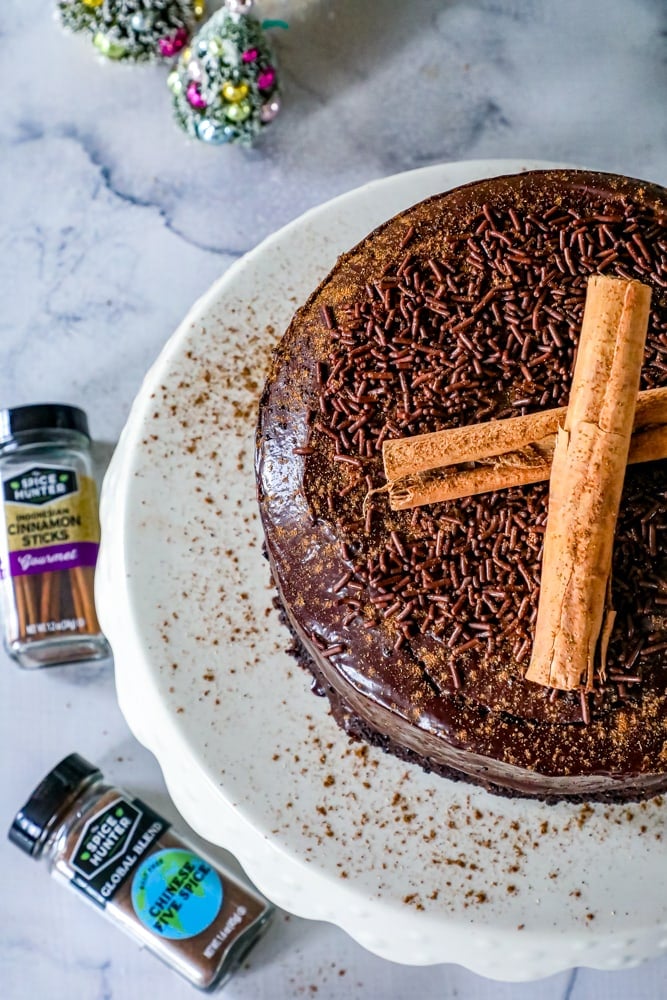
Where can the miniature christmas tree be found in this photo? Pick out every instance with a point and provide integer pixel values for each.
(225, 86)
(133, 30)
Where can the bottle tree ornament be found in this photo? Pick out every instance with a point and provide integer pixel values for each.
(225, 84)
(133, 30)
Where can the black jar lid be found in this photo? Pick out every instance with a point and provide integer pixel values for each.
(32, 822)
(42, 417)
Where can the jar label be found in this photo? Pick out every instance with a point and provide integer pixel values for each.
(176, 894)
(51, 520)
(111, 846)
(39, 485)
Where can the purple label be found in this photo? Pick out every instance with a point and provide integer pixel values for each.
(53, 557)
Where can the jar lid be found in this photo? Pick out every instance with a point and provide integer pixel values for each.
(32, 822)
(42, 417)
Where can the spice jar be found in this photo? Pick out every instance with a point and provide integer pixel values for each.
(191, 912)
(49, 536)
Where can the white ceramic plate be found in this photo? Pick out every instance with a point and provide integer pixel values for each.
(419, 870)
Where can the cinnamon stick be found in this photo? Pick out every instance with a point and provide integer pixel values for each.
(21, 609)
(407, 456)
(83, 599)
(505, 453)
(92, 622)
(587, 474)
(647, 445)
(54, 609)
(29, 587)
(46, 597)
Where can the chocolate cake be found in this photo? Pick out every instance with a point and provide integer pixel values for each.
(419, 624)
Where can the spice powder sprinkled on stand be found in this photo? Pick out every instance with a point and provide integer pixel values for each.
(49, 536)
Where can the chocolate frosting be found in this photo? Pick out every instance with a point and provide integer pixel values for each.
(468, 709)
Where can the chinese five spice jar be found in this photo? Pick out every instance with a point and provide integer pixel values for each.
(193, 914)
(49, 536)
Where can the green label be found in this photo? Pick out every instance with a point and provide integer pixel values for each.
(40, 485)
(111, 845)
(176, 894)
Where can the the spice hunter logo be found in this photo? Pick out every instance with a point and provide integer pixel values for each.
(40, 485)
(105, 838)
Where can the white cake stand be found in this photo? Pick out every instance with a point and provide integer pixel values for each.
(418, 869)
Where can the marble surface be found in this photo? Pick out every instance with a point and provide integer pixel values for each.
(112, 224)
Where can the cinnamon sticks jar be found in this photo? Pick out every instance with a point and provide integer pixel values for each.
(49, 536)
(125, 859)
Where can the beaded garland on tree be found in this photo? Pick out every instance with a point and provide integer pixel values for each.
(133, 30)
(225, 85)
